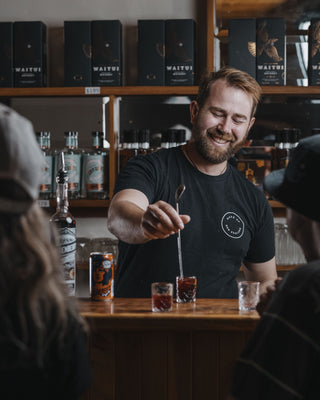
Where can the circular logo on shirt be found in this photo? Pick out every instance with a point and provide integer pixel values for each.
(232, 225)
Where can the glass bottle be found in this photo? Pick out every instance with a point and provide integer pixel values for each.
(72, 159)
(66, 225)
(46, 187)
(180, 137)
(294, 140)
(129, 147)
(284, 152)
(95, 169)
(144, 141)
(164, 139)
(172, 137)
(275, 152)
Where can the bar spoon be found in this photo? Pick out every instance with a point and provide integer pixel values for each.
(179, 192)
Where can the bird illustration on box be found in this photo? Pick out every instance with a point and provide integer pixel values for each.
(315, 39)
(266, 45)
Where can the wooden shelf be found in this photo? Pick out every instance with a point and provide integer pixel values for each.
(99, 91)
(276, 204)
(143, 91)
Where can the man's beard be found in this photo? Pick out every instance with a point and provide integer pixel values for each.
(213, 155)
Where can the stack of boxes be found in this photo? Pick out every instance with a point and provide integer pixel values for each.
(166, 52)
(23, 54)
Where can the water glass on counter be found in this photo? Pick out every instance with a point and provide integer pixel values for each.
(248, 292)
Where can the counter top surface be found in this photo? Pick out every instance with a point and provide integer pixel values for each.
(203, 312)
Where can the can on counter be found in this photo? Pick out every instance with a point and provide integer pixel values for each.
(101, 275)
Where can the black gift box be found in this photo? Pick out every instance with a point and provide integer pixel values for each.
(242, 45)
(106, 53)
(151, 52)
(271, 51)
(180, 52)
(30, 54)
(77, 53)
(6, 54)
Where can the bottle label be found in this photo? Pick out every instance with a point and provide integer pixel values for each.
(95, 172)
(46, 175)
(68, 257)
(73, 166)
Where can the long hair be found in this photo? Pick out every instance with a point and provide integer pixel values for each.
(234, 78)
(34, 306)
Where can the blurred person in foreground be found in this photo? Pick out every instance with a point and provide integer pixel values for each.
(42, 336)
(226, 222)
(282, 358)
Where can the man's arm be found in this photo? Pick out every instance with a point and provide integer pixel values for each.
(133, 220)
(265, 273)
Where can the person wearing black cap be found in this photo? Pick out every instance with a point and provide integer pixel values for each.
(282, 358)
(42, 336)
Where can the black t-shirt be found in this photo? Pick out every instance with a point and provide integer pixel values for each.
(231, 220)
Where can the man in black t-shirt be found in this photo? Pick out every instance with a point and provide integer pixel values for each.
(225, 221)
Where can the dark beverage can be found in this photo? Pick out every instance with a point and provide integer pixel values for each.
(101, 276)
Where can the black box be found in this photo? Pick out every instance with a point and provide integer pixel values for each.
(180, 52)
(271, 51)
(77, 53)
(6, 54)
(314, 53)
(242, 45)
(30, 54)
(151, 52)
(106, 53)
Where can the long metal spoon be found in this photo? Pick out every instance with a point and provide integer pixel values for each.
(179, 192)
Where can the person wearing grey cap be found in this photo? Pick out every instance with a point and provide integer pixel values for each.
(282, 358)
(42, 336)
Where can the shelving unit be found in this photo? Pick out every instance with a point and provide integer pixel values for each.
(116, 93)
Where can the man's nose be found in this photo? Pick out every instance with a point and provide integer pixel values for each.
(225, 125)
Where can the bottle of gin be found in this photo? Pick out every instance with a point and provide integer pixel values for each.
(45, 189)
(95, 169)
(72, 157)
(143, 141)
(66, 225)
(129, 147)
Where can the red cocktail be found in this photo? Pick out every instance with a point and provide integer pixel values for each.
(186, 289)
(162, 296)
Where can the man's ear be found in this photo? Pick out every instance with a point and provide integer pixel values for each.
(194, 111)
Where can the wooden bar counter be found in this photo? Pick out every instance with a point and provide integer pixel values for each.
(185, 354)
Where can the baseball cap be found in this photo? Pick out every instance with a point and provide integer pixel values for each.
(296, 185)
(21, 161)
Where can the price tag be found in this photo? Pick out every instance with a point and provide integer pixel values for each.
(92, 90)
(44, 203)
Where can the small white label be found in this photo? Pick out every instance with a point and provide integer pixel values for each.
(92, 90)
(44, 203)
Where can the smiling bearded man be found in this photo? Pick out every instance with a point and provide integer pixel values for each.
(225, 221)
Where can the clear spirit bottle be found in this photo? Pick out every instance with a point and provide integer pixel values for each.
(66, 225)
(95, 169)
(46, 187)
(72, 158)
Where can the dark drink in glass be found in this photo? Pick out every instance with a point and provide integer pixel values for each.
(162, 296)
(186, 289)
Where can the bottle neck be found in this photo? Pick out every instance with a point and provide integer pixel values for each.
(62, 197)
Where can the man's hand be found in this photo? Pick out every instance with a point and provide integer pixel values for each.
(161, 220)
(133, 220)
